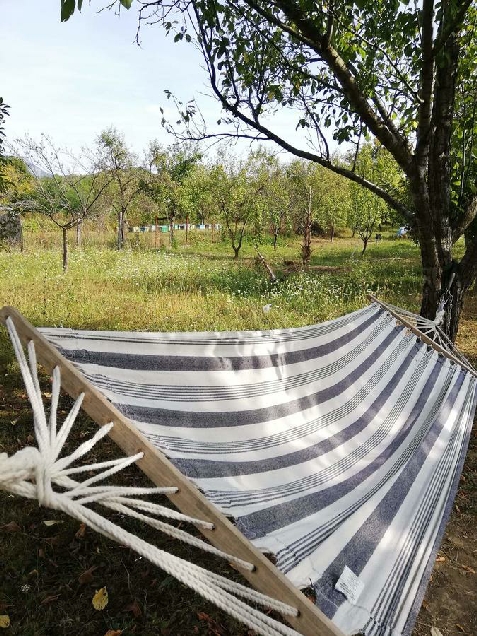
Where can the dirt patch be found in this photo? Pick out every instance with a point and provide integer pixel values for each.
(451, 599)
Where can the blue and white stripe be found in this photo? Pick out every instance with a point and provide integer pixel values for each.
(335, 445)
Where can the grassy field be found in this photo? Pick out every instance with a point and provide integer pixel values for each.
(49, 573)
(199, 286)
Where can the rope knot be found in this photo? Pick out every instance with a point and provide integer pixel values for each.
(18, 467)
(44, 490)
(27, 465)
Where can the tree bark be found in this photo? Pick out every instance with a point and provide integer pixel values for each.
(65, 248)
(121, 219)
(172, 217)
(79, 227)
(306, 247)
(365, 244)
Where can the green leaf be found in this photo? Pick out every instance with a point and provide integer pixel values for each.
(67, 9)
(126, 3)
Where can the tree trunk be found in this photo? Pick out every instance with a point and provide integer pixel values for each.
(79, 227)
(121, 218)
(332, 233)
(65, 249)
(306, 247)
(171, 231)
(236, 250)
(365, 244)
(454, 308)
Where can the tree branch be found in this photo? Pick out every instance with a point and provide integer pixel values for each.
(390, 139)
(427, 81)
(463, 222)
(326, 163)
(451, 27)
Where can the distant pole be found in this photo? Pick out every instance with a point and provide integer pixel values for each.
(155, 233)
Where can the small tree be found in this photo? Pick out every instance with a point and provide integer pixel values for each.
(165, 181)
(367, 211)
(117, 162)
(237, 191)
(66, 188)
(271, 181)
(334, 203)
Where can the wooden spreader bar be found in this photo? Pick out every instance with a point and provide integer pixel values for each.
(422, 336)
(265, 578)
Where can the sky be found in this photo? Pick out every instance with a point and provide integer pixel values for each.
(72, 80)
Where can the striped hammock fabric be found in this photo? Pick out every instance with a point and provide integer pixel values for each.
(336, 447)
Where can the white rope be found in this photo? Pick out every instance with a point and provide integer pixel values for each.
(32, 473)
(431, 329)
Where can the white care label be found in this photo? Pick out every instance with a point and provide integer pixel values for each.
(349, 585)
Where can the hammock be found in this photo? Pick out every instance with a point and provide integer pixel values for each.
(336, 448)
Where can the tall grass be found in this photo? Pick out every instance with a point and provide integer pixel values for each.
(199, 286)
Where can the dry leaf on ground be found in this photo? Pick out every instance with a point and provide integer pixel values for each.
(135, 608)
(49, 599)
(100, 599)
(51, 522)
(11, 527)
(87, 575)
(4, 620)
(81, 531)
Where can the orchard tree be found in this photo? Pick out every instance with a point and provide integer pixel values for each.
(271, 183)
(237, 198)
(118, 163)
(16, 181)
(331, 200)
(316, 198)
(198, 195)
(396, 71)
(66, 188)
(165, 182)
(368, 211)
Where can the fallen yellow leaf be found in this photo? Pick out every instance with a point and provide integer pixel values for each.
(53, 522)
(100, 599)
(4, 620)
